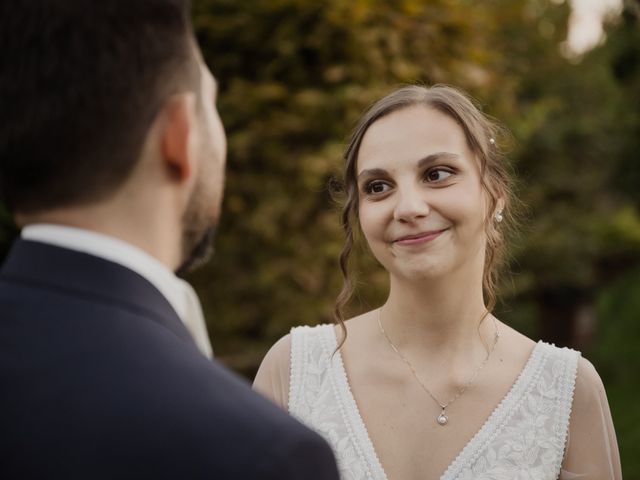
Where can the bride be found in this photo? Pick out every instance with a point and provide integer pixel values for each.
(431, 385)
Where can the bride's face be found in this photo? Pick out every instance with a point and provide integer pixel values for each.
(422, 207)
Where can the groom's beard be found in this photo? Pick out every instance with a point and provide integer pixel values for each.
(198, 232)
(199, 253)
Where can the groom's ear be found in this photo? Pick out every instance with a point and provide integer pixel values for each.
(177, 135)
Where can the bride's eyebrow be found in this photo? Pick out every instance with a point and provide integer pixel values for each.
(434, 157)
(372, 172)
(420, 164)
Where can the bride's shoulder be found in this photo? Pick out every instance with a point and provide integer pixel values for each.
(272, 379)
(588, 387)
(592, 440)
(280, 353)
(589, 392)
(513, 336)
(360, 325)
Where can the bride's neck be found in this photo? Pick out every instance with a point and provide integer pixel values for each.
(438, 316)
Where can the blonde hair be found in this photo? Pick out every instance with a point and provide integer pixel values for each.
(482, 134)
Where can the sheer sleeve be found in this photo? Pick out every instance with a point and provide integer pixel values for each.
(592, 450)
(272, 379)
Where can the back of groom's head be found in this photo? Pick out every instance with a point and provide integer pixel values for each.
(81, 82)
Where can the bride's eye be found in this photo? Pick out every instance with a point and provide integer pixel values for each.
(376, 187)
(438, 174)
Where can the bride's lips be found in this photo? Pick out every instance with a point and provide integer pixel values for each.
(418, 238)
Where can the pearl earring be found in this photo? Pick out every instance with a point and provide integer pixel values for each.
(498, 216)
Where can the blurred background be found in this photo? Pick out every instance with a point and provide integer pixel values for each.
(563, 76)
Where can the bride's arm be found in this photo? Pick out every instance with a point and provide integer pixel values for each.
(592, 449)
(272, 379)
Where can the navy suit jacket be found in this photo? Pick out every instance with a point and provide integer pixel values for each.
(99, 379)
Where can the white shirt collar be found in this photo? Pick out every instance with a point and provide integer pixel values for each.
(178, 293)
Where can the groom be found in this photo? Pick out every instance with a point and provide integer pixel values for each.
(112, 161)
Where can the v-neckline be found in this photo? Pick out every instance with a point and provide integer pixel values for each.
(362, 435)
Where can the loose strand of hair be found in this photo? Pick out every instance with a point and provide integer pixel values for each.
(347, 283)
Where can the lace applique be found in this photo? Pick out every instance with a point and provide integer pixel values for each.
(320, 397)
(524, 437)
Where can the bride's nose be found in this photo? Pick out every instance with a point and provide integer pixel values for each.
(411, 204)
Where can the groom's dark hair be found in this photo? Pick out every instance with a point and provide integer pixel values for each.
(80, 84)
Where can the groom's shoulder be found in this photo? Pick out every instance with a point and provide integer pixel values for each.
(211, 393)
(220, 420)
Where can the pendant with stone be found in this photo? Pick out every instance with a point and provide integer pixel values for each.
(442, 419)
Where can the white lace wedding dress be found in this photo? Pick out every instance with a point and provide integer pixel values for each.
(524, 437)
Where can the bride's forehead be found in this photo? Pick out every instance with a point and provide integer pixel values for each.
(416, 125)
(407, 136)
(420, 119)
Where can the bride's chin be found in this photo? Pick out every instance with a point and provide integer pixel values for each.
(420, 271)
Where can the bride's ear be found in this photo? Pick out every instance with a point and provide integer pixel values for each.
(177, 135)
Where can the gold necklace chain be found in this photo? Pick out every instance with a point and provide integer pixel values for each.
(442, 419)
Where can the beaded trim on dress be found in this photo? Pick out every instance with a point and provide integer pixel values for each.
(527, 431)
